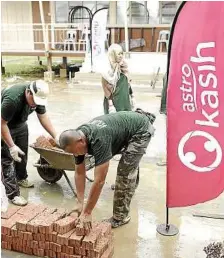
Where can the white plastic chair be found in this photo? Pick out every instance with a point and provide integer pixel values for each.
(164, 36)
(84, 39)
(71, 38)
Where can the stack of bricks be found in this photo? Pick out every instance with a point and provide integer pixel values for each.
(48, 232)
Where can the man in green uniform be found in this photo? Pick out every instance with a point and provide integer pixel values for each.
(104, 137)
(17, 103)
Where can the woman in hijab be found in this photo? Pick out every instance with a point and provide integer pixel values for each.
(118, 95)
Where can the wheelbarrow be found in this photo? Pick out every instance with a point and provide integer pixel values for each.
(52, 164)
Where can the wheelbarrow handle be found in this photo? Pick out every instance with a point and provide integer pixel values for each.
(42, 165)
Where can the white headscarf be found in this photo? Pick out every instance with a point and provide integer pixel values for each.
(113, 69)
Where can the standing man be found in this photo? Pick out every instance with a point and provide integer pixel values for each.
(104, 137)
(17, 103)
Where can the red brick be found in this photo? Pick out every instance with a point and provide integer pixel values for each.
(39, 252)
(41, 244)
(25, 235)
(32, 226)
(61, 255)
(4, 245)
(8, 224)
(47, 245)
(64, 225)
(101, 246)
(89, 242)
(27, 209)
(27, 250)
(50, 253)
(80, 251)
(34, 244)
(64, 239)
(55, 247)
(6, 238)
(46, 226)
(80, 231)
(11, 211)
(75, 240)
(69, 250)
(29, 213)
(14, 231)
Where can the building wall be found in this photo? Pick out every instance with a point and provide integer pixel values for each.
(21, 36)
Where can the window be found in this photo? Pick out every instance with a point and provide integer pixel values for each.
(147, 12)
(137, 12)
(167, 11)
(62, 9)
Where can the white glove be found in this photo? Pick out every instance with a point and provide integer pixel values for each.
(133, 103)
(14, 152)
(112, 109)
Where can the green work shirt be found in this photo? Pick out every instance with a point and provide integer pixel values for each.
(120, 97)
(107, 135)
(14, 107)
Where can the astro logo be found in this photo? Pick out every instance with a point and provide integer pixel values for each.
(200, 99)
(210, 145)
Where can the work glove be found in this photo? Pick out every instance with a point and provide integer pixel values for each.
(112, 109)
(133, 103)
(15, 152)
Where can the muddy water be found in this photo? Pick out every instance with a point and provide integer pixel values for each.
(68, 108)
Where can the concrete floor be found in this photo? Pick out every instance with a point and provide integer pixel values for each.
(68, 108)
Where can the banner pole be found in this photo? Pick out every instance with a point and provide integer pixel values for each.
(167, 229)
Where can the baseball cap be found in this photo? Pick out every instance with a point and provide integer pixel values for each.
(40, 91)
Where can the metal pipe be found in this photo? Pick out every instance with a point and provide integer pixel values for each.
(69, 183)
(126, 27)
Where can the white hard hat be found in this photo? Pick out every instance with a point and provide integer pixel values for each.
(40, 91)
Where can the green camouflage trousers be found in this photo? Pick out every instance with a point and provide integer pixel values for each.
(127, 171)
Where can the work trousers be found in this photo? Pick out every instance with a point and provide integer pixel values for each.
(127, 172)
(14, 171)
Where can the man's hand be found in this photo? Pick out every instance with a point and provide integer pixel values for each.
(15, 151)
(85, 221)
(54, 141)
(47, 125)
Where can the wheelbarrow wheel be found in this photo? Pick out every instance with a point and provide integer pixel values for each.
(50, 175)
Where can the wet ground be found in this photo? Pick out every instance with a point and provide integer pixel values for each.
(68, 108)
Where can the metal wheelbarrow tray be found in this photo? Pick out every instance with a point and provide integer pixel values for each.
(52, 164)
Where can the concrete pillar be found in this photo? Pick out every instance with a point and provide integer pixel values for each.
(113, 18)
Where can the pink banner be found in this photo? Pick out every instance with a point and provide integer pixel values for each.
(195, 133)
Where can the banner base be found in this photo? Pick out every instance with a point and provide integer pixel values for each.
(167, 230)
